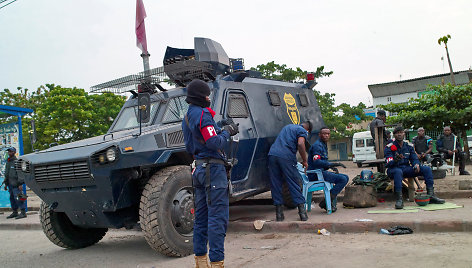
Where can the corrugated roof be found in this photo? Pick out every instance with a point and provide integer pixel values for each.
(417, 84)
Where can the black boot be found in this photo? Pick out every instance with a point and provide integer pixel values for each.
(302, 212)
(399, 202)
(432, 198)
(13, 214)
(21, 215)
(464, 172)
(334, 201)
(279, 213)
(322, 204)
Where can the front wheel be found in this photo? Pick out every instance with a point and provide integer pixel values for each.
(166, 212)
(60, 230)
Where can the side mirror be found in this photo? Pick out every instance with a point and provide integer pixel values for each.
(144, 107)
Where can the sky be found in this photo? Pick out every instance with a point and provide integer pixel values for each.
(87, 42)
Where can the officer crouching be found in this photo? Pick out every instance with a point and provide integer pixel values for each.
(402, 162)
(206, 141)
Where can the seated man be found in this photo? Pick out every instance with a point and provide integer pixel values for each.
(423, 145)
(318, 159)
(402, 162)
(445, 145)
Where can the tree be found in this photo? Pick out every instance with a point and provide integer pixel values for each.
(444, 40)
(449, 106)
(63, 115)
(335, 117)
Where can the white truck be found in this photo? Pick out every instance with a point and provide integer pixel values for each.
(363, 148)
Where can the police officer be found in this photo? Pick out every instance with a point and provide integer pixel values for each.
(206, 141)
(423, 145)
(283, 167)
(402, 162)
(14, 185)
(445, 145)
(318, 159)
(379, 121)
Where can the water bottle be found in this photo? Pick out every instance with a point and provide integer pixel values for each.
(323, 232)
(384, 231)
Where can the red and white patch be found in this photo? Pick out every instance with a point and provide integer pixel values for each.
(208, 132)
(316, 157)
(389, 159)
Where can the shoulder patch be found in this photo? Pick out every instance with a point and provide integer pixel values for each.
(389, 145)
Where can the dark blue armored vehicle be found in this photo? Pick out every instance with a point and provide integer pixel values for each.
(139, 171)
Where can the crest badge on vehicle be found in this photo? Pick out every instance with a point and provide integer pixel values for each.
(292, 109)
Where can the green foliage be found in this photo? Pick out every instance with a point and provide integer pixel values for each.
(451, 105)
(444, 39)
(63, 115)
(275, 71)
(337, 118)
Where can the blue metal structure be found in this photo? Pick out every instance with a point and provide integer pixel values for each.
(18, 112)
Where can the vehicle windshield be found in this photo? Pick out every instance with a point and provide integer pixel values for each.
(176, 110)
(129, 117)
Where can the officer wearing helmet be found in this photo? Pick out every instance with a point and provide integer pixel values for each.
(318, 159)
(14, 184)
(206, 141)
(402, 162)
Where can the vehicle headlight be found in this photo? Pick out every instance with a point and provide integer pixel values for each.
(111, 154)
(24, 166)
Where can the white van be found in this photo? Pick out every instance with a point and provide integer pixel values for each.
(363, 148)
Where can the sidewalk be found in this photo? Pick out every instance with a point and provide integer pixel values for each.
(242, 219)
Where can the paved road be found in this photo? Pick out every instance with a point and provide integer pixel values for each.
(129, 249)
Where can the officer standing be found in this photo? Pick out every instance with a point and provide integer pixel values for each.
(445, 145)
(318, 159)
(14, 184)
(206, 141)
(423, 145)
(402, 162)
(283, 167)
(379, 121)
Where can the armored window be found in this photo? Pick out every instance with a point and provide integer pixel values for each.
(129, 117)
(176, 110)
(303, 99)
(237, 106)
(274, 98)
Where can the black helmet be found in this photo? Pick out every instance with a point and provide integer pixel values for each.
(197, 91)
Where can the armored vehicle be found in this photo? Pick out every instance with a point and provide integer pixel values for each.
(138, 172)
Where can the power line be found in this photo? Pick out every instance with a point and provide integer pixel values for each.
(6, 4)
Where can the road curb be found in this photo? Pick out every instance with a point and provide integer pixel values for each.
(308, 227)
(352, 227)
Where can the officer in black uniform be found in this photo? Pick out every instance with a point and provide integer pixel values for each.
(423, 145)
(14, 184)
(378, 122)
(206, 141)
(445, 145)
(402, 162)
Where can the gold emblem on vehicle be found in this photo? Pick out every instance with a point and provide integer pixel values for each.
(292, 109)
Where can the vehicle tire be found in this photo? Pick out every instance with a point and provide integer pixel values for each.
(60, 230)
(439, 174)
(359, 164)
(288, 201)
(166, 211)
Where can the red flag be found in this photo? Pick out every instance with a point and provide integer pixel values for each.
(140, 29)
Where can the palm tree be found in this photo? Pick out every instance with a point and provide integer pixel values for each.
(444, 40)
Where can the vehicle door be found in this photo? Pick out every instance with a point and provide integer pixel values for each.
(236, 107)
(370, 149)
(359, 149)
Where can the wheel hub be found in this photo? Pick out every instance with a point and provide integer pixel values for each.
(183, 211)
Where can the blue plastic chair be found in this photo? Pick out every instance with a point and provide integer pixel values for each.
(312, 186)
